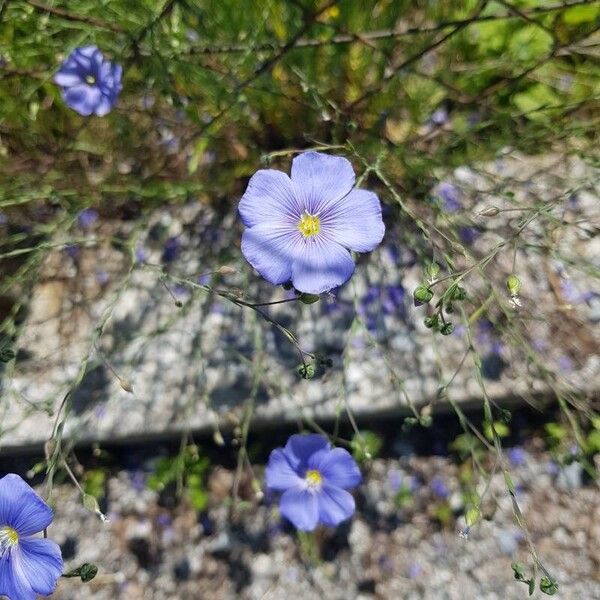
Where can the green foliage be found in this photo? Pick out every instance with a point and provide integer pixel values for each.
(366, 446)
(94, 482)
(226, 83)
(188, 471)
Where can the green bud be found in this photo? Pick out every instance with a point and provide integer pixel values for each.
(426, 421)
(548, 586)
(309, 298)
(459, 293)
(513, 285)
(431, 322)
(472, 516)
(7, 354)
(432, 270)
(409, 423)
(447, 329)
(519, 571)
(422, 294)
(86, 571)
(306, 371)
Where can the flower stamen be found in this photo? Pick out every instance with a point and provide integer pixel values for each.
(8, 538)
(90, 79)
(313, 478)
(309, 225)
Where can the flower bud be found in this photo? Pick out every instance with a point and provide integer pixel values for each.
(548, 586)
(306, 371)
(432, 270)
(513, 285)
(491, 211)
(87, 572)
(7, 354)
(472, 516)
(126, 385)
(431, 322)
(447, 329)
(459, 293)
(422, 294)
(308, 298)
(49, 448)
(226, 270)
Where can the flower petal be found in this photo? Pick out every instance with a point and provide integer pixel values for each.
(280, 474)
(300, 448)
(68, 77)
(21, 508)
(335, 505)
(82, 98)
(41, 563)
(103, 107)
(270, 198)
(338, 468)
(13, 581)
(321, 266)
(299, 505)
(355, 221)
(321, 179)
(270, 248)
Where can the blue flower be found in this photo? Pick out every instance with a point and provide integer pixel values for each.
(517, 456)
(449, 194)
(439, 488)
(314, 478)
(141, 254)
(171, 249)
(300, 229)
(87, 218)
(89, 82)
(29, 566)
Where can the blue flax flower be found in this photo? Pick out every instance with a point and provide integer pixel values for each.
(314, 479)
(89, 82)
(29, 566)
(300, 228)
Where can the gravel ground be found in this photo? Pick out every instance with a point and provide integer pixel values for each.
(195, 366)
(404, 541)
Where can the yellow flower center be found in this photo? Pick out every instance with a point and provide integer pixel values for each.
(8, 538)
(90, 79)
(309, 225)
(313, 478)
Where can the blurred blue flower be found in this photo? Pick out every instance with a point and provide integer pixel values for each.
(566, 364)
(300, 229)
(89, 82)
(468, 235)
(171, 249)
(72, 250)
(141, 254)
(415, 571)
(439, 488)
(573, 295)
(29, 566)
(3, 218)
(517, 456)
(102, 277)
(439, 116)
(449, 194)
(87, 218)
(314, 479)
